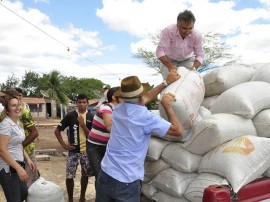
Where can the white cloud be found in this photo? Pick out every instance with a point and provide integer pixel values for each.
(42, 1)
(243, 29)
(266, 3)
(23, 47)
(139, 18)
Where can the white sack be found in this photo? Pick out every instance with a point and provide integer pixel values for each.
(267, 173)
(45, 191)
(196, 188)
(148, 190)
(209, 101)
(262, 74)
(160, 196)
(259, 65)
(223, 78)
(181, 159)
(152, 168)
(173, 182)
(155, 148)
(146, 179)
(189, 93)
(262, 123)
(240, 161)
(246, 99)
(202, 114)
(216, 130)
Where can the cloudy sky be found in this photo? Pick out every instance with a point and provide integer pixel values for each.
(97, 38)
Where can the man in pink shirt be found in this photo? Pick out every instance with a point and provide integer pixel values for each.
(180, 45)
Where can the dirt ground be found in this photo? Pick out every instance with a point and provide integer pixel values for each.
(54, 169)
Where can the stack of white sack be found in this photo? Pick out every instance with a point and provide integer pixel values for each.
(227, 142)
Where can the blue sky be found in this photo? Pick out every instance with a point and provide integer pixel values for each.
(108, 32)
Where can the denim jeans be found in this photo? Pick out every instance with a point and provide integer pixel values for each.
(14, 189)
(111, 190)
(95, 155)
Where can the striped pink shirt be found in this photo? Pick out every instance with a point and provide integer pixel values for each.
(99, 134)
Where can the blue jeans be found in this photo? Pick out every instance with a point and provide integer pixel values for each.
(14, 189)
(111, 190)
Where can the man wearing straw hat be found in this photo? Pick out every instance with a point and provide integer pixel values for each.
(122, 167)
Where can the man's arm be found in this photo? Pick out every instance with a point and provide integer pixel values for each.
(58, 135)
(175, 128)
(164, 60)
(28, 124)
(33, 134)
(172, 77)
(196, 65)
(198, 51)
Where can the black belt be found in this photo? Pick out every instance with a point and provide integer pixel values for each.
(12, 170)
(22, 164)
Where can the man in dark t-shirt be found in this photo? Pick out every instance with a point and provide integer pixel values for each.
(78, 123)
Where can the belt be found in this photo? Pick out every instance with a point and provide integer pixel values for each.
(21, 163)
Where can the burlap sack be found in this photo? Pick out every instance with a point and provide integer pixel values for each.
(173, 182)
(223, 78)
(262, 123)
(245, 99)
(240, 161)
(216, 130)
(181, 159)
(189, 92)
(196, 188)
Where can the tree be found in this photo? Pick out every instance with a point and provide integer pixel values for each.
(216, 52)
(11, 81)
(52, 84)
(149, 57)
(74, 86)
(30, 83)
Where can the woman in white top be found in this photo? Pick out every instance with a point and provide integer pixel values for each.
(12, 156)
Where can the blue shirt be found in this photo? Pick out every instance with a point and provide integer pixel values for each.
(132, 126)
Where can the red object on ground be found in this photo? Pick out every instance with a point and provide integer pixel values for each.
(255, 191)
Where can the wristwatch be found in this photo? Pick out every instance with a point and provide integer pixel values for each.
(165, 83)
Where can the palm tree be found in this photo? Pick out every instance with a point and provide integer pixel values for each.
(53, 87)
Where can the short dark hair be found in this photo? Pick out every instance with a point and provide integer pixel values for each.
(110, 93)
(186, 16)
(19, 90)
(82, 97)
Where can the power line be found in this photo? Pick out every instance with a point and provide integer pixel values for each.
(61, 43)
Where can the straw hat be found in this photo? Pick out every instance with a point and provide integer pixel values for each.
(131, 87)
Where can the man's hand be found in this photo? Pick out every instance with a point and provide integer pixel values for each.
(80, 120)
(68, 147)
(172, 68)
(168, 99)
(172, 77)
